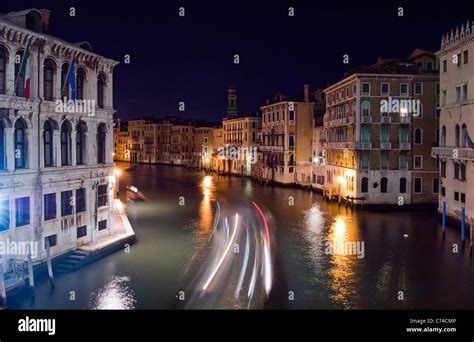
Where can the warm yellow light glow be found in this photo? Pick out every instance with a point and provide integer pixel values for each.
(339, 229)
(340, 179)
(206, 160)
(118, 172)
(207, 182)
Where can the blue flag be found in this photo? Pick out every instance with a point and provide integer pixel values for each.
(469, 141)
(71, 77)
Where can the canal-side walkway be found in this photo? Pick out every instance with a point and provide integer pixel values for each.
(122, 234)
(122, 230)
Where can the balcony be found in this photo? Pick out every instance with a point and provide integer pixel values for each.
(365, 119)
(405, 120)
(385, 145)
(405, 146)
(363, 145)
(449, 152)
(385, 119)
(343, 144)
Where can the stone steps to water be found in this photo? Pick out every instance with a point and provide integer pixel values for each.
(70, 261)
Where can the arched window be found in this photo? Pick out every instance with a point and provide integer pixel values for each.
(101, 135)
(64, 81)
(80, 76)
(403, 185)
(463, 135)
(49, 70)
(48, 144)
(457, 136)
(291, 141)
(19, 79)
(383, 185)
(442, 141)
(20, 144)
(66, 143)
(354, 109)
(2, 145)
(418, 110)
(364, 185)
(80, 143)
(101, 84)
(365, 108)
(291, 161)
(418, 136)
(3, 70)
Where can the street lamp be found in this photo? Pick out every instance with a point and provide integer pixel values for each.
(118, 172)
(340, 179)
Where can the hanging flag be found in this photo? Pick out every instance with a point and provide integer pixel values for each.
(469, 141)
(25, 72)
(71, 77)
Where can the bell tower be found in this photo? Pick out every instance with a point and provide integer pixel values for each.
(231, 102)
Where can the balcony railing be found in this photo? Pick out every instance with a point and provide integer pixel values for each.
(405, 120)
(452, 152)
(363, 145)
(405, 146)
(385, 119)
(385, 145)
(366, 119)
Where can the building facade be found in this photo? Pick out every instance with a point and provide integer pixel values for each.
(455, 153)
(182, 145)
(55, 164)
(240, 144)
(121, 142)
(217, 162)
(287, 132)
(380, 123)
(319, 158)
(203, 147)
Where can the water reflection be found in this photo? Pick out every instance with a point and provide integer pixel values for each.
(343, 267)
(205, 208)
(115, 295)
(314, 234)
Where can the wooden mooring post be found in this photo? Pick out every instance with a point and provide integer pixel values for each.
(31, 278)
(3, 290)
(48, 262)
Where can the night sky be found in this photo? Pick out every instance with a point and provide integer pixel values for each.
(190, 59)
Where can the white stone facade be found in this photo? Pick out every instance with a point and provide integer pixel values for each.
(456, 158)
(59, 190)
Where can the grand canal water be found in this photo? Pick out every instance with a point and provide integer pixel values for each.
(404, 251)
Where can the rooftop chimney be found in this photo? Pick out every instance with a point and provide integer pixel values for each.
(306, 92)
(45, 22)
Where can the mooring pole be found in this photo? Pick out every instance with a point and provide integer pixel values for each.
(463, 230)
(444, 219)
(31, 278)
(48, 262)
(470, 235)
(3, 290)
